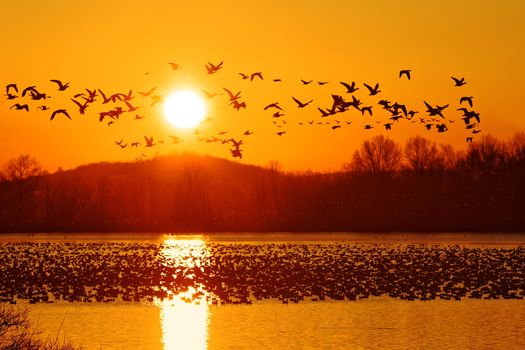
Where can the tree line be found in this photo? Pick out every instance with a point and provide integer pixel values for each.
(385, 186)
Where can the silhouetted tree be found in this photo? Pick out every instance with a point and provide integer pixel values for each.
(422, 154)
(516, 148)
(486, 154)
(22, 167)
(377, 155)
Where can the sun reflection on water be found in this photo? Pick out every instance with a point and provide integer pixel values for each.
(184, 316)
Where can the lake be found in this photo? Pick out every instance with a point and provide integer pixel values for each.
(304, 291)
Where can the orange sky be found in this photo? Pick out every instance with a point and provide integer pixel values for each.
(113, 44)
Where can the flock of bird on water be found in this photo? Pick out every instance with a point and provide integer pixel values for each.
(243, 273)
(118, 104)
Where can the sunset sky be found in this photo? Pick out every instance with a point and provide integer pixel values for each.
(119, 45)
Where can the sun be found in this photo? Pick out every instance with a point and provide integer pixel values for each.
(184, 109)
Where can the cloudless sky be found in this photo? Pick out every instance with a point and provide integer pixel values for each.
(111, 45)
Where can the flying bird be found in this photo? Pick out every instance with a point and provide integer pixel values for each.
(306, 82)
(244, 76)
(148, 93)
(11, 86)
(174, 66)
(60, 111)
(149, 141)
(459, 82)
(256, 74)
(350, 88)
(212, 68)
(233, 97)
(61, 86)
(467, 99)
(301, 104)
(273, 105)
(405, 72)
(211, 94)
(19, 107)
(322, 82)
(366, 109)
(373, 90)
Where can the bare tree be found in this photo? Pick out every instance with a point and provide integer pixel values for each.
(486, 154)
(377, 155)
(22, 167)
(422, 155)
(516, 148)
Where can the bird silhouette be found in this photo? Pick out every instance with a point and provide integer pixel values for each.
(322, 82)
(61, 86)
(138, 117)
(366, 109)
(238, 105)
(212, 68)
(19, 107)
(244, 76)
(459, 82)
(405, 72)
(149, 141)
(256, 74)
(60, 111)
(467, 99)
(9, 87)
(281, 133)
(81, 106)
(277, 114)
(273, 105)
(135, 144)
(248, 133)
(336, 127)
(350, 88)
(301, 104)
(121, 144)
(373, 90)
(174, 66)
(211, 94)
(306, 82)
(233, 96)
(147, 93)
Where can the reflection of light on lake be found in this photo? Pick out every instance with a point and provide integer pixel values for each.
(184, 318)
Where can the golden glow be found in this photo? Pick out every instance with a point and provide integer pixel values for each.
(184, 316)
(184, 109)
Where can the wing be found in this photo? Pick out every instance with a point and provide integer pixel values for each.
(297, 101)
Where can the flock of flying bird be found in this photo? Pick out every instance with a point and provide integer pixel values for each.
(118, 104)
